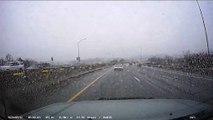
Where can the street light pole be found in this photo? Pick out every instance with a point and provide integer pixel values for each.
(78, 44)
(140, 54)
(78, 49)
(206, 35)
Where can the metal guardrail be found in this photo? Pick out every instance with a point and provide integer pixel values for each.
(26, 77)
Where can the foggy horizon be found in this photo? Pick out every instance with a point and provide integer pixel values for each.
(44, 29)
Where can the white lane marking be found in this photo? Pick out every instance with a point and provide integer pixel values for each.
(137, 79)
(85, 88)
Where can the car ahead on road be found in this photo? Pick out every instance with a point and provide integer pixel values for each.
(118, 68)
(125, 109)
(12, 66)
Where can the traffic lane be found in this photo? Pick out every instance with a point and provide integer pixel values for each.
(120, 84)
(181, 73)
(181, 77)
(192, 84)
(164, 89)
(62, 94)
(184, 87)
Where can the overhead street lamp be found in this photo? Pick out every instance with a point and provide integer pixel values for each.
(78, 44)
(206, 35)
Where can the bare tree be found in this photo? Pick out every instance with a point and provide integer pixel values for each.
(9, 58)
(2, 61)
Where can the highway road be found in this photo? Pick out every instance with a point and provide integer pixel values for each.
(133, 82)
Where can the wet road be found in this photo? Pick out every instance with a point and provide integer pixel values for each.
(135, 82)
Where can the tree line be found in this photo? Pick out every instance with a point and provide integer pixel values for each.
(10, 58)
(202, 62)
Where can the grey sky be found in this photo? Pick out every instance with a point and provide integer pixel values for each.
(42, 29)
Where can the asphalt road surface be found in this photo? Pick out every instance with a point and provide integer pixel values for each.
(134, 82)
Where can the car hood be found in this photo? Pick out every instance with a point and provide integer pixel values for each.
(148, 109)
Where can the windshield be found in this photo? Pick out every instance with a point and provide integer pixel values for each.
(98, 50)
